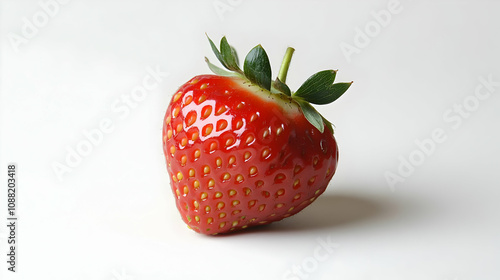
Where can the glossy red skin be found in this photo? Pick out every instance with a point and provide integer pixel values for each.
(298, 152)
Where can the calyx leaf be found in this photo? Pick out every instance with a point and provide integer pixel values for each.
(281, 87)
(313, 116)
(217, 70)
(257, 67)
(227, 55)
(318, 89)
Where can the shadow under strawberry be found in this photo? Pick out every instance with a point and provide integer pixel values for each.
(330, 211)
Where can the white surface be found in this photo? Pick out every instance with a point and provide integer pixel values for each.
(113, 216)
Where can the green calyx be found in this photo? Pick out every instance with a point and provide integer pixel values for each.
(318, 89)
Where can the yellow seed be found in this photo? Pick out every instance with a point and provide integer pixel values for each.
(221, 125)
(253, 170)
(213, 146)
(259, 184)
(252, 220)
(311, 181)
(239, 124)
(235, 202)
(315, 161)
(220, 205)
(247, 191)
(210, 220)
(265, 134)
(218, 195)
(191, 172)
(251, 203)
(229, 142)
(221, 225)
(220, 110)
(179, 176)
(172, 149)
(239, 178)
(279, 130)
(203, 86)
(177, 96)
(279, 205)
(202, 98)
(196, 204)
(226, 176)
(232, 160)
(196, 184)
(176, 111)
(265, 152)
(206, 111)
(188, 100)
(280, 192)
(250, 139)
(203, 196)
(174, 178)
(169, 133)
(207, 129)
(236, 212)
(232, 192)
(247, 155)
(253, 117)
(183, 160)
(296, 183)
(184, 142)
(178, 193)
(297, 196)
(279, 177)
(168, 120)
(240, 105)
(194, 81)
(235, 223)
(206, 169)
(222, 215)
(316, 192)
(197, 154)
(186, 190)
(179, 127)
(197, 218)
(207, 209)
(211, 183)
(297, 169)
(262, 207)
(262, 222)
(194, 136)
(245, 226)
(291, 209)
(190, 118)
(218, 162)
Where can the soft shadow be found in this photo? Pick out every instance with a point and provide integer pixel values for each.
(331, 210)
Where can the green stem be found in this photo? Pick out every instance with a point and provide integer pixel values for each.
(285, 64)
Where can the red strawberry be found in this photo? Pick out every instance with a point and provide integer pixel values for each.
(242, 150)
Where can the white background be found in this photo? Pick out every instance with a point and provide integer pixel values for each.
(112, 216)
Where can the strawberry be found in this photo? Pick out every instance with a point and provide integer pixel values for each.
(243, 150)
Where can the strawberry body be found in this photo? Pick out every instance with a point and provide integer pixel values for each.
(239, 156)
